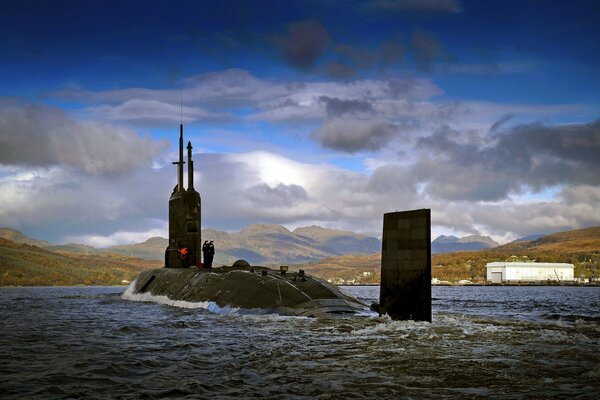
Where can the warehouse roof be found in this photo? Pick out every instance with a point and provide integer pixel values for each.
(529, 265)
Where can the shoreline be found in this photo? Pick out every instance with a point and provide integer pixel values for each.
(570, 284)
(564, 284)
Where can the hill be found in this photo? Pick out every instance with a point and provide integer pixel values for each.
(449, 244)
(15, 236)
(151, 249)
(577, 247)
(265, 244)
(349, 269)
(576, 241)
(26, 265)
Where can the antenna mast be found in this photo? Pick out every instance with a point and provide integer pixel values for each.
(181, 104)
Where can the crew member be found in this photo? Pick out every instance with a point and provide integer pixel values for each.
(184, 257)
(208, 249)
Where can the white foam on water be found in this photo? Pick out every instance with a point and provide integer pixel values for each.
(211, 306)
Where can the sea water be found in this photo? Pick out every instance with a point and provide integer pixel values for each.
(484, 342)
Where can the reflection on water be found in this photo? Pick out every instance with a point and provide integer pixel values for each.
(494, 342)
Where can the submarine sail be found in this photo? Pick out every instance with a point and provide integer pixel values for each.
(184, 216)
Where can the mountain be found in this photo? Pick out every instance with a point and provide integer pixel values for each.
(274, 244)
(577, 246)
(528, 238)
(17, 237)
(576, 241)
(266, 244)
(27, 265)
(73, 248)
(449, 244)
(151, 249)
(479, 239)
(259, 244)
(339, 242)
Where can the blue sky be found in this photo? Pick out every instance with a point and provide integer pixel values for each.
(324, 112)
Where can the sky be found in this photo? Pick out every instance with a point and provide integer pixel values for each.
(300, 112)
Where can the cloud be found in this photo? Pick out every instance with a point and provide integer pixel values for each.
(153, 111)
(231, 87)
(575, 207)
(353, 135)
(233, 90)
(336, 107)
(33, 135)
(351, 59)
(318, 100)
(279, 196)
(61, 204)
(117, 238)
(57, 202)
(303, 44)
(478, 167)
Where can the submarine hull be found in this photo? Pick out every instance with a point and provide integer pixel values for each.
(261, 290)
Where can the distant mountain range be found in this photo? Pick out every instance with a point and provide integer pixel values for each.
(268, 244)
(449, 244)
(570, 246)
(260, 244)
(263, 244)
(26, 261)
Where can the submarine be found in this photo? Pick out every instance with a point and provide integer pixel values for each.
(241, 287)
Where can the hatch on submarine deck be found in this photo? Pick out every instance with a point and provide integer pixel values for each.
(259, 289)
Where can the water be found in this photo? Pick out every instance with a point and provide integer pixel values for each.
(484, 342)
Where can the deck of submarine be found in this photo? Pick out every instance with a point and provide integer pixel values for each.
(241, 287)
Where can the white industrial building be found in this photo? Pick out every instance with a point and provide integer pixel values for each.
(499, 272)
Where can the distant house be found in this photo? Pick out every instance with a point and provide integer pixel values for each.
(499, 272)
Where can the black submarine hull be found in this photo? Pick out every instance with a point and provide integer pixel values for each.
(241, 289)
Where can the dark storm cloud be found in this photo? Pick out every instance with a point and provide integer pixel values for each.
(353, 135)
(32, 135)
(303, 44)
(554, 154)
(336, 107)
(534, 155)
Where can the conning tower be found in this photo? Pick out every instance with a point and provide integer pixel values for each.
(184, 215)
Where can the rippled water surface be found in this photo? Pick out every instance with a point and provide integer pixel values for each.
(484, 342)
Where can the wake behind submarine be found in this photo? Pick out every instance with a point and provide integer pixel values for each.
(241, 287)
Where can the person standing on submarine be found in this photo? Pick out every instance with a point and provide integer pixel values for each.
(184, 257)
(208, 250)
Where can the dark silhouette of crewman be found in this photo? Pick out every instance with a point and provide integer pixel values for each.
(208, 249)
